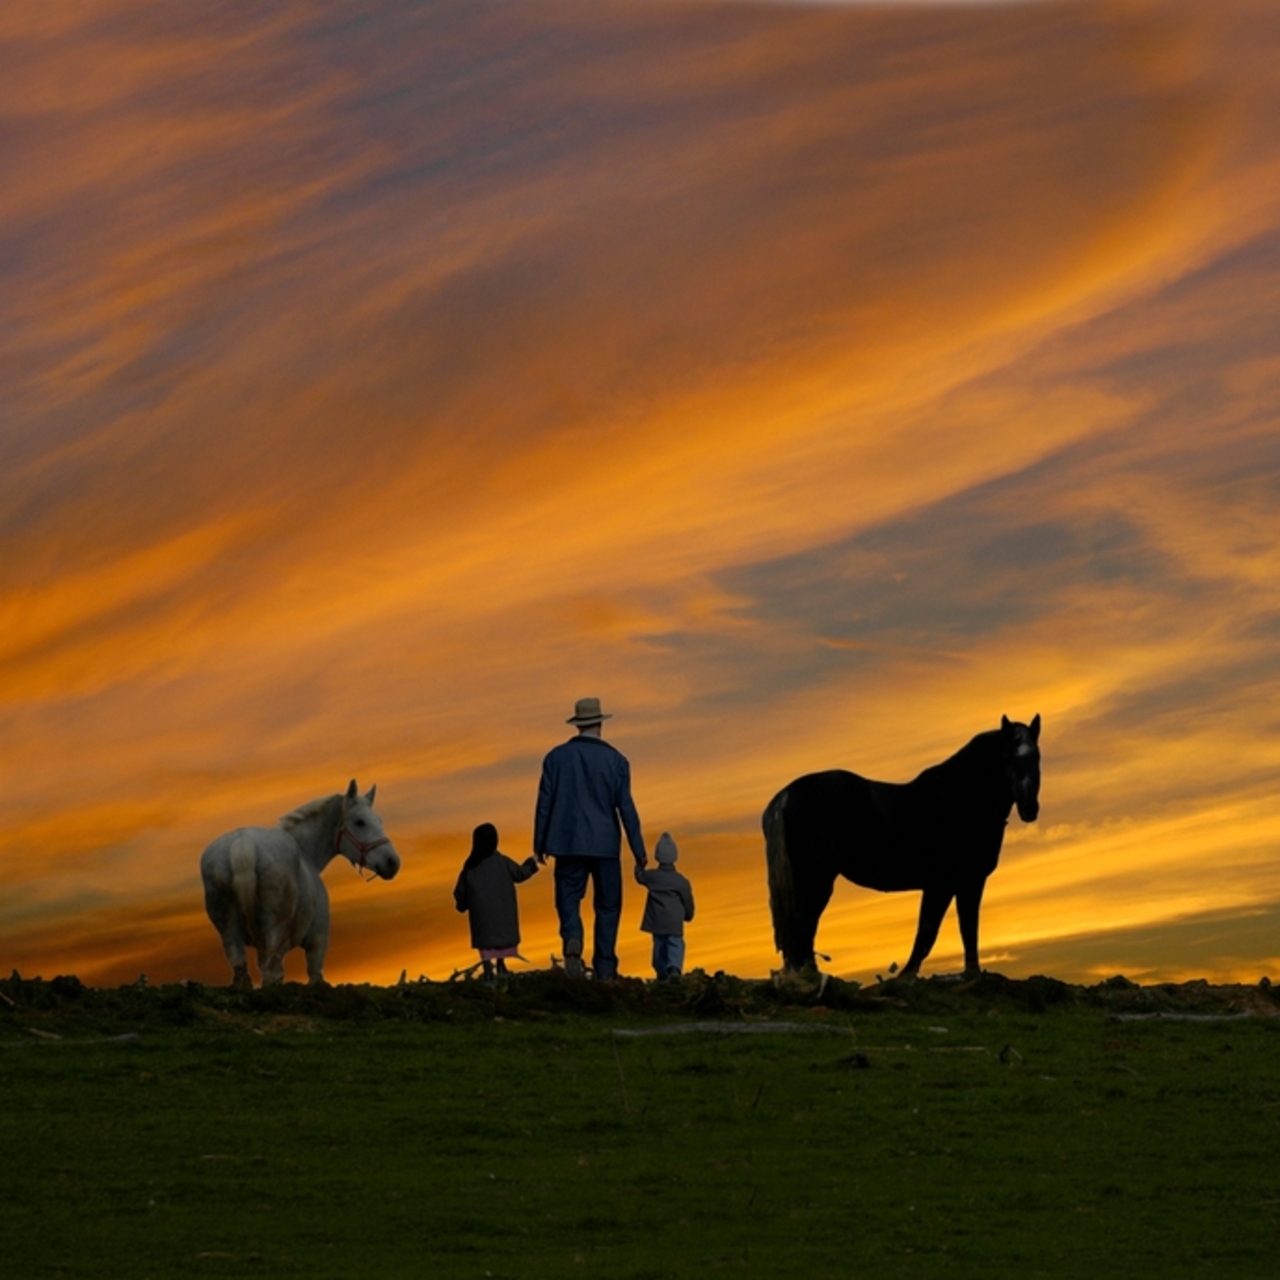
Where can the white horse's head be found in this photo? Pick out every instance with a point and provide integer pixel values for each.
(361, 838)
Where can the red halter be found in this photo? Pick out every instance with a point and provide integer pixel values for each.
(365, 847)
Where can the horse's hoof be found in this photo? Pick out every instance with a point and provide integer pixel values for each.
(240, 981)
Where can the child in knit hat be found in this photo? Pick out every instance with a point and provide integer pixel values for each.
(669, 906)
(486, 889)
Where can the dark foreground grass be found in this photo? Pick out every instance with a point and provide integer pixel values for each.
(258, 1136)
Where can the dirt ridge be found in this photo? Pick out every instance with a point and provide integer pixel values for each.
(66, 1006)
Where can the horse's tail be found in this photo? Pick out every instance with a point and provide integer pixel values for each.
(782, 884)
(243, 857)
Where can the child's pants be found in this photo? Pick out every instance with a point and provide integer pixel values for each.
(668, 953)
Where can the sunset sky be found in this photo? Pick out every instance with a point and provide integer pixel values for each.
(813, 383)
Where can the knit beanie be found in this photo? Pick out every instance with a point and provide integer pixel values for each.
(666, 850)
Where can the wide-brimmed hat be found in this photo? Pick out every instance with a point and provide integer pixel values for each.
(587, 711)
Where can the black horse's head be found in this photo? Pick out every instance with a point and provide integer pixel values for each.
(1022, 764)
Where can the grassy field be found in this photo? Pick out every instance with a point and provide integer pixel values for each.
(998, 1129)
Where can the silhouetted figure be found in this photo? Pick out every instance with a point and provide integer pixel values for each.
(669, 906)
(486, 890)
(583, 797)
(940, 833)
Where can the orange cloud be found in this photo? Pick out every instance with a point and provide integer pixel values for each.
(813, 383)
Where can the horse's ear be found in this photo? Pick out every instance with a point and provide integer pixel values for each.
(1004, 724)
(373, 791)
(1035, 727)
(352, 790)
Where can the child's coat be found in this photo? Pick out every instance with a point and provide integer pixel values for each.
(487, 892)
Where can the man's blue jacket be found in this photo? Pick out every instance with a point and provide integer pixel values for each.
(585, 790)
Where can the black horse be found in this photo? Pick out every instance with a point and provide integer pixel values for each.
(940, 833)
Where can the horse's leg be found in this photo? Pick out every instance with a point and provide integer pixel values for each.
(239, 962)
(315, 947)
(233, 949)
(316, 943)
(271, 953)
(812, 893)
(933, 906)
(968, 902)
(271, 965)
(226, 919)
(278, 898)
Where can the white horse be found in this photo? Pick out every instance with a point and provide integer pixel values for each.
(262, 886)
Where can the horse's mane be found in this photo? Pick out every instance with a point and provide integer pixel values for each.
(984, 743)
(979, 747)
(306, 812)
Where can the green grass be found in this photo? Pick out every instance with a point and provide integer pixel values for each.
(260, 1141)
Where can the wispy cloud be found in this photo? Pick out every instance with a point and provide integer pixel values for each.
(814, 383)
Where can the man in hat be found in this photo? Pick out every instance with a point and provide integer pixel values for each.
(584, 799)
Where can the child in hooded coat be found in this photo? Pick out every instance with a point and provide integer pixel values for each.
(669, 906)
(486, 890)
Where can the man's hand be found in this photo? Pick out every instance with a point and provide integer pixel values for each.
(542, 859)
